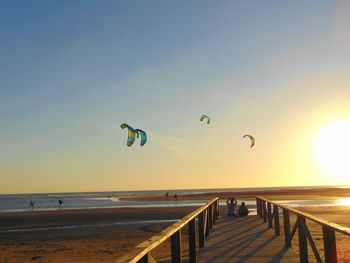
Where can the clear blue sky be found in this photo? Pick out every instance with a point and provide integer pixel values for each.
(72, 71)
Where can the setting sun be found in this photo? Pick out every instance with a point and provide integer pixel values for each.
(332, 149)
(344, 201)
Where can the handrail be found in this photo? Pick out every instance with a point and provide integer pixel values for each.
(341, 229)
(304, 235)
(145, 247)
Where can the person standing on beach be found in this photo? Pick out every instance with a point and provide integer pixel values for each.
(60, 202)
(31, 204)
(231, 203)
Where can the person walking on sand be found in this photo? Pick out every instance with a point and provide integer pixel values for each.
(60, 202)
(243, 210)
(231, 203)
(31, 204)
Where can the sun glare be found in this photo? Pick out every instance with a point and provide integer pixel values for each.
(332, 150)
(344, 201)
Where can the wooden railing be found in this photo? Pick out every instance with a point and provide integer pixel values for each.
(328, 229)
(207, 216)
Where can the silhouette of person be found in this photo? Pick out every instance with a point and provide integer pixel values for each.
(243, 210)
(231, 204)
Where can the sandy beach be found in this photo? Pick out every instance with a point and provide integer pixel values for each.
(103, 235)
(91, 235)
(278, 194)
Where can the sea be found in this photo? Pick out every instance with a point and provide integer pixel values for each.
(93, 200)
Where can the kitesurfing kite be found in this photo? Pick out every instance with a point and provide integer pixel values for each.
(131, 133)
(205, 117)
(252, 140)
(143, 136)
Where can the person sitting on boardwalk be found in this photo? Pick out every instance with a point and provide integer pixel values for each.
(231, 203)
(243, 210)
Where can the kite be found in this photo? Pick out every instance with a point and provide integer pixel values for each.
(252, 140)
(205, 117)
(143, 136)
(131, 133)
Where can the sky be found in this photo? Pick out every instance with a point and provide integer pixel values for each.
(72, 71)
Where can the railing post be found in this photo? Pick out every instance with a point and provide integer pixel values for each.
(257, 206)
(277, 220)
(329, 243)
(260, 208)
(192, 244)
(217, 208)
(302, 240)
(210, 217)
(176, 247)
(264, 211)
(269, 215)
(214, 213)
(207, 227)
(286, 226)
(201, 229)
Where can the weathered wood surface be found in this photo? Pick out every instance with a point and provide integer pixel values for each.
(245, 239)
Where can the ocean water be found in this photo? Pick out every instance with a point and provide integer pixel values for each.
(91, 200)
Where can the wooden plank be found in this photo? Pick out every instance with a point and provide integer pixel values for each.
(192, 244)
(244, 239)
(338, 228)
(201, 230)
(312, 244)
(302, 240)
(258, 207)
(276, 220)
(217, 209)
(286, 226)
(330, 249)
(176, 255)
(207, 224)
(269, 215)
(210, 209)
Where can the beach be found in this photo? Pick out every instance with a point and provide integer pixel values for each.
(80, 235)
(103, 235)
(312, 193)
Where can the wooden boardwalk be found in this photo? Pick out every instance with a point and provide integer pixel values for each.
(244, 239)
(226, 239)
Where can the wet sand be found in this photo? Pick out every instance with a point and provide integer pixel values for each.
(85, 240)
(282, 194)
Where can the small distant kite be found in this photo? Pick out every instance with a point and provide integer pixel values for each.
(131, 133)
(143, 136)
(205, 117)
(252, 140)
